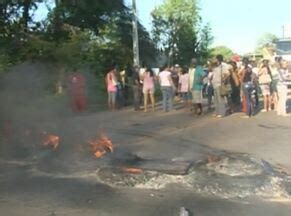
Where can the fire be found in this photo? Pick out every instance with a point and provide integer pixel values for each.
(100, 146)
(99, 154)
(132, 170)
(50, 140)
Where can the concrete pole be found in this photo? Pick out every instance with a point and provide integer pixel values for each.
(135, 35)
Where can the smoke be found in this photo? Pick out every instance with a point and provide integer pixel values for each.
(30, 110)
(28, 103)
(30, 107)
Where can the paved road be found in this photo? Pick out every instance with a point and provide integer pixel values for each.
(173, 136)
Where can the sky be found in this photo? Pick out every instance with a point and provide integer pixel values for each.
(236, 24)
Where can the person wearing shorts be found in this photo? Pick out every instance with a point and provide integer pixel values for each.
(111, 84)
(196, 89)
(148, 88)
(184, 87)
(265, 78)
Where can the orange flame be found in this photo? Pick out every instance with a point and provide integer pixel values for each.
(100, 146)
(132, 170)
(50, 140)
(99, 154)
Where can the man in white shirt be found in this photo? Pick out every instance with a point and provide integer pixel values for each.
(220, 73)
(192, 71)
(167, 88)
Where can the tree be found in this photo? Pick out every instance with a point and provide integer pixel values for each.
(110, 24)
(177, 30)
(267, 40)
(75, 33)
(15, 25)
(222, 50)
(87, 14)
(206, 40)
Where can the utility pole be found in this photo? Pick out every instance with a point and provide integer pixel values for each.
(135, 35)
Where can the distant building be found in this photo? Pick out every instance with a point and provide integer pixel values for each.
(254, 56)
(283, 48)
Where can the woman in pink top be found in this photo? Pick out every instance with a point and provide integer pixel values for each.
(184, 87)
(148, 88)
(111, 84)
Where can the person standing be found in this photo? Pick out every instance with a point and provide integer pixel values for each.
(148, 79)
(197, 87)
(136, 87)
(184, 86)
(255, 70)
(209, 89)
(235, 99)
(120, 101)
(175, 78)
(274, 67)
(167, 88)
(247, 86)
(111, 85)
(282, 88)
(124, 84)
(77, 91)
(265, 78)
(220, 74)
(191, 72)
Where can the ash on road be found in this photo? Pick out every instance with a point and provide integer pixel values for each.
(159, 163)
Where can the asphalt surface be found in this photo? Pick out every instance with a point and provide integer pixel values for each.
(37, 181)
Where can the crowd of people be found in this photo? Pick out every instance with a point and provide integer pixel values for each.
(234, 86)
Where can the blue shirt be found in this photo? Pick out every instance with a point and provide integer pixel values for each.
(198, 75)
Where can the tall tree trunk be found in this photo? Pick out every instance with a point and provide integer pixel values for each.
(57, 2)
(3, 18)
(25, 14)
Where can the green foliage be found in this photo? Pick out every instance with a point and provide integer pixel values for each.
(206, 40)
(267, 40)
(178, 33)
(222, 50)
(75, 33)
(5, 62)
(89, 14)
(88, 35)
